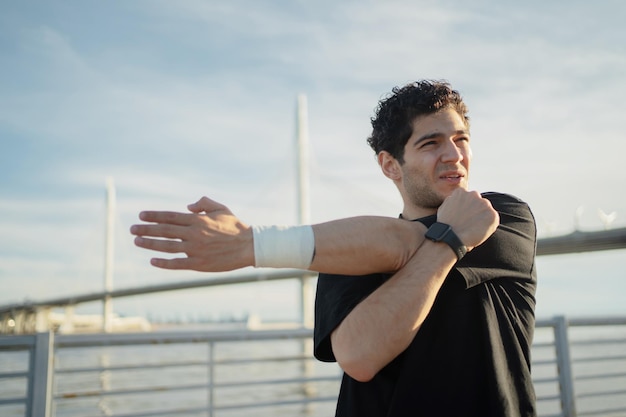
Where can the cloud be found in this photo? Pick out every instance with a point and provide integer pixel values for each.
(176, 101)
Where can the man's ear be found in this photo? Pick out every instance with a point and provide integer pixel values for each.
(389, 165)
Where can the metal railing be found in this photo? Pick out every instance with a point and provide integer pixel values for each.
(566, 379)
(579, 369)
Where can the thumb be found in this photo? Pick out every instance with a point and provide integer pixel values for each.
(205, 204)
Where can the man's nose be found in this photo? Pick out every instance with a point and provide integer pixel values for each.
(452, 152)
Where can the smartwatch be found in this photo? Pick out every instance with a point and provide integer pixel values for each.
(441, 232)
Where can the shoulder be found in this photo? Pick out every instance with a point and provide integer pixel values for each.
(509, 206)
(510, 251)
(517, 231)
(503, 199)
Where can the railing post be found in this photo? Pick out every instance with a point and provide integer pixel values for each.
(564, 364)
(40, 378)
(307, 321)
(211, 393)
(105, 383)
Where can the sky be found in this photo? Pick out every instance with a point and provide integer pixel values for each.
(177, 100)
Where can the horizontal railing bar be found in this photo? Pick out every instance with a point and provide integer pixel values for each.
(599, 342)
(119, 339)
(7, 375)
(160, 388)
(175, 411)
(583, 321)
(129, 391)
(593, 359)
(9, 401)
(130, 367)
(600, 376)
(277, 381)
(599, 394)
(95, 340)
(182, 364)
(17, 342)
(266, 359)
(604, 412)
(597, 321)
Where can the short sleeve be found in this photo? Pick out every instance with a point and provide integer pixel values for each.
(336, 296)
(510, 251)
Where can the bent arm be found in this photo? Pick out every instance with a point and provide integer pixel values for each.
(383, 325)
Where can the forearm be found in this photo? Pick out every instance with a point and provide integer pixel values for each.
(384, 324)
(366, 244)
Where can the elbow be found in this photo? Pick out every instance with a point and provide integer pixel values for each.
(358, 368)
(359, 374)
(409, 237)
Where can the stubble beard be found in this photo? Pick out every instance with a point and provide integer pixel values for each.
(423, 196)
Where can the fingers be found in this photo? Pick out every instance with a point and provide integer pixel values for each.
(190, 263)
(167, 217)
(167, 224)
(176, 263)
(167, 246)
(472, 217)
(159, 230)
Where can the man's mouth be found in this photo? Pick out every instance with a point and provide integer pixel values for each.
(452, 176)
(455, 177)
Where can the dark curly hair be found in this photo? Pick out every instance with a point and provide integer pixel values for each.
(392, 124)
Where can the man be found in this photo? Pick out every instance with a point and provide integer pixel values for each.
(428, 330)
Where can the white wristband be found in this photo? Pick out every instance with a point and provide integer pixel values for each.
(283, 246)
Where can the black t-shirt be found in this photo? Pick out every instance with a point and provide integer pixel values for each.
(471, 356)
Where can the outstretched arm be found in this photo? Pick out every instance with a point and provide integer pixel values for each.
(213, 240)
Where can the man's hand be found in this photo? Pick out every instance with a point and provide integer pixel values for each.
(471, 217)
(213, 239)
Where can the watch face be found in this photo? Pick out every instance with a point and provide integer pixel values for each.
(438, 230)
(441, 232)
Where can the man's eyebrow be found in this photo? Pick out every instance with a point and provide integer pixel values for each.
(434, 135)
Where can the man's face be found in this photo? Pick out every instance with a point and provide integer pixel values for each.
(436, 160)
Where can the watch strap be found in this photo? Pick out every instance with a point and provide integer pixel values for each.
(441, 232)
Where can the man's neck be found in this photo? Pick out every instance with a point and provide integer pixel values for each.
(412, 213)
